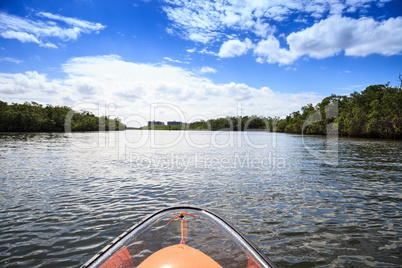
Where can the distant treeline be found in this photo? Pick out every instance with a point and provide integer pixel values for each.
(375, 112)
(165, 127)
(34, 117)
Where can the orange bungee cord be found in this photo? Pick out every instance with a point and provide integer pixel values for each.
(182, 229)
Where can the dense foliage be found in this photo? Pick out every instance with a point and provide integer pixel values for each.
(240, 123)
(375, 112)
(165, 127)
(34, 117)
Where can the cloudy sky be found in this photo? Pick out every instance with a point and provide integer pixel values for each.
(195, 59)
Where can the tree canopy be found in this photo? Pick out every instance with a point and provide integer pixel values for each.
(34, 117)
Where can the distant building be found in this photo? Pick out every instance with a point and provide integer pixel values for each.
(150, 123)
(174, 123)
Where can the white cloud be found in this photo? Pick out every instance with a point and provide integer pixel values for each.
(210, 22)
(291, 69)
(21, 36)
(200, 37)
(269, 50)
(262, 29)
(29, 85)
(207, 69)
(175, 61)
(135, 87)
(357, 37)
(334, 35)
(203, 21)
(191, 50)
(13, 60)
(234, 48)
(377, 37)
(195, 19)
(207, 52)
(38, 31)
(82, 25)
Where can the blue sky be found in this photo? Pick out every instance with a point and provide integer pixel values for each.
(190, 60)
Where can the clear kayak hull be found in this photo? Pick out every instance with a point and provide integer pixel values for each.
(181, 237)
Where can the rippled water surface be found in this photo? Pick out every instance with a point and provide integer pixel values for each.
(308, 201)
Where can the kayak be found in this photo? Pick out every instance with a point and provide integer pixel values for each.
(181, 237)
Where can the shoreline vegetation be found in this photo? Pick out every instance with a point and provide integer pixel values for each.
(376, 112)
(34, 117)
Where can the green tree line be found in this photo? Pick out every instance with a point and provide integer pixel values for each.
(375, 112)
(239, 123)
(34, 117)
(166, 127)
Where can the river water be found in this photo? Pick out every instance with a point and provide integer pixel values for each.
(305, 201)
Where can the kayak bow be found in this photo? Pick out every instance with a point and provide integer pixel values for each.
(201, 239)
